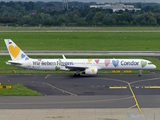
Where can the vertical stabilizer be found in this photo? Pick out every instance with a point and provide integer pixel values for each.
(14, 51)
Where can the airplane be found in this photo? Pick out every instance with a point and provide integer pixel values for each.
(84, 66)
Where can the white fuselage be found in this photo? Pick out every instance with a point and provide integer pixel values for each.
(99, 64)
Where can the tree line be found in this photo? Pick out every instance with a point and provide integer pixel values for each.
(78, 14)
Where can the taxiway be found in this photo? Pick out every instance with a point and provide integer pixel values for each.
(101, 97)
(101, 91)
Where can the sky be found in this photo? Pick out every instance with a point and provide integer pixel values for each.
(98, 1)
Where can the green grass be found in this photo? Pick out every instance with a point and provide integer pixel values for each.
(18, 90)
(84, 41)
(6, 69)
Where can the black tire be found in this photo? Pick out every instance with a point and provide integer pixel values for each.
(75, 75)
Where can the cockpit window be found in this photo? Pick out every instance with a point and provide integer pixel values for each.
(149, 63)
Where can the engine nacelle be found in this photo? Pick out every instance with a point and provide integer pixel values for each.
(90, 71)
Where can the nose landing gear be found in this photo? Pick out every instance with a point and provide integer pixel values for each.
(140, 73)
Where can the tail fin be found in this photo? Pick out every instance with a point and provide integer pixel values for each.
(15, 52)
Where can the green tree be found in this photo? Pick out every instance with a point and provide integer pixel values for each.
(97, 19)
(152, 21)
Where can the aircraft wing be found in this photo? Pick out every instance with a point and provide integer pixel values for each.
(73, 67)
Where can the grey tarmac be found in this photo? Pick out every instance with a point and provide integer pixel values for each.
(83, 98)
(67, 91)
(86, 53)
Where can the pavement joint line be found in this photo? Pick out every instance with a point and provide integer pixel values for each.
(93, 101)
(117, 87)
(35, 76)
(111, 79)
(132, 106)
(144, 80)
(64, 91)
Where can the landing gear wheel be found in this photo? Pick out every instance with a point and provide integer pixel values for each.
(77, 75)
(140, 73)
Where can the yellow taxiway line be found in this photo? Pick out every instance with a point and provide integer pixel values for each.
(135, 98)
(152, 87)
(46, 76)
(133, 95)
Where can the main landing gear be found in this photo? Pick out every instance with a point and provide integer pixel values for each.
(140, 73)
(77, 74)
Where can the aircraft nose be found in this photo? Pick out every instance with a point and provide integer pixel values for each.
(154, 66)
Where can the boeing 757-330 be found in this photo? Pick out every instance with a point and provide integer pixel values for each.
(84, 66)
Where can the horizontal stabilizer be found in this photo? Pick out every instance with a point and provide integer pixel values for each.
(13, 63)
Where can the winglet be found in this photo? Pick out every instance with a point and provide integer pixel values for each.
(63, 56)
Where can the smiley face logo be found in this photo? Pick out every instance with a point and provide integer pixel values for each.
(14, 50)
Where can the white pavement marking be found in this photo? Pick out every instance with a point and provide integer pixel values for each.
(64, 91)
(35, 76)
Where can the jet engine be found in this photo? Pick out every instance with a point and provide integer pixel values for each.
(90, 71)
